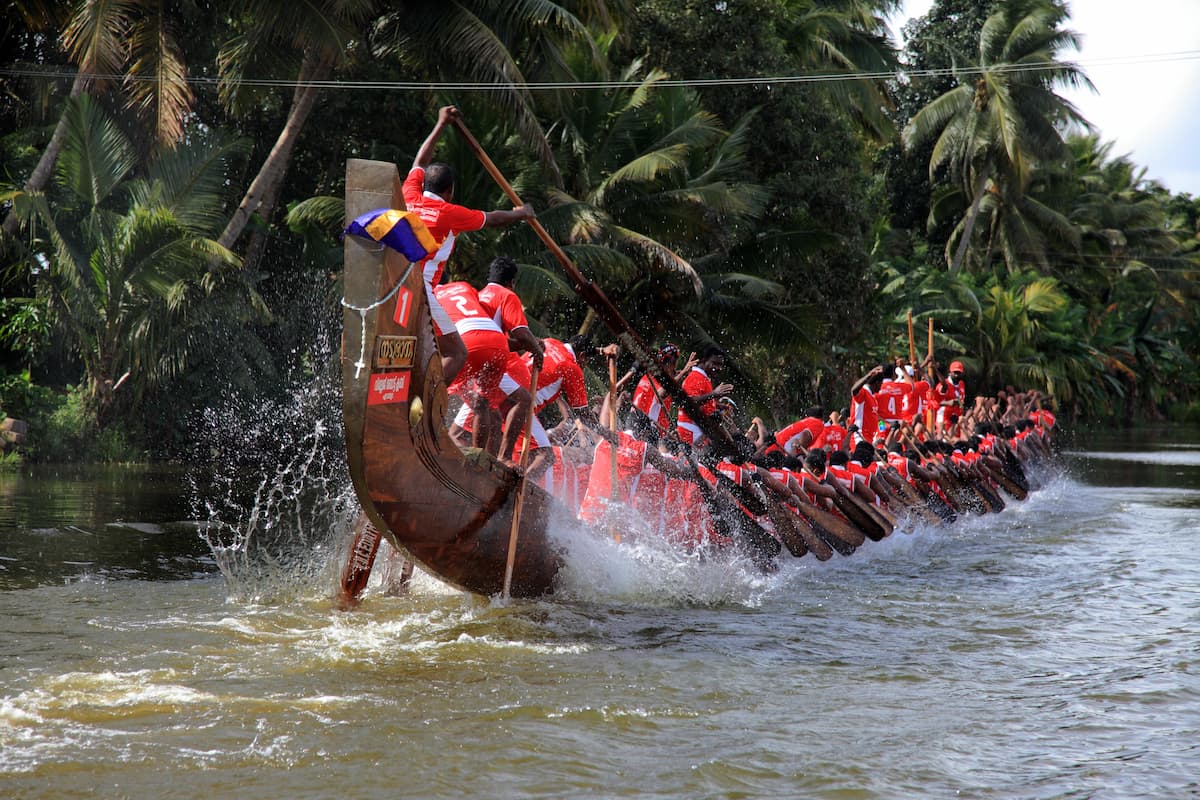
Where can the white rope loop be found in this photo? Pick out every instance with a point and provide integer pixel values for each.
(362, 318)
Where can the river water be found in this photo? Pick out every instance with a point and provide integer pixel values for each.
(1047, 652)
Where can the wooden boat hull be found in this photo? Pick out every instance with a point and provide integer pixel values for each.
(450, 513)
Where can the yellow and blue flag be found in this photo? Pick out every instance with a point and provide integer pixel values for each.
(403, 231)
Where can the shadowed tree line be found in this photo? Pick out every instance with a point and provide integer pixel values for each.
(173, 174)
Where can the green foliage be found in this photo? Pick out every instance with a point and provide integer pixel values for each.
(783, 220)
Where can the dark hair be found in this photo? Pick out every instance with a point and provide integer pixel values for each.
(864, 451)
(581, 343)
(815, 459)
(815, 411)
(439, 178)
(795, 464)
(711, 350)
(502, 270)
(839, 458)
(771, 460)
(641, 426)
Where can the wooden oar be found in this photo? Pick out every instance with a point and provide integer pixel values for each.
(613, 533)
(855, 510)
(607, 312)
(930, 414)
(797, 536)
(519, 503)
(912, 345)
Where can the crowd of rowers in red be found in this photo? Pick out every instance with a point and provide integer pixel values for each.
(910, 443)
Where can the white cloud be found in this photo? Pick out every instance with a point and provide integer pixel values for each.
(1145, 104)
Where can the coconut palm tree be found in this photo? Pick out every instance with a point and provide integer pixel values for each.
(1003, 119)
(318, 40)
(121, 249)
(136, 39)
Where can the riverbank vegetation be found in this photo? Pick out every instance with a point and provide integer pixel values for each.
(174, 173)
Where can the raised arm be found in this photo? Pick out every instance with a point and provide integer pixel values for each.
(446, 116)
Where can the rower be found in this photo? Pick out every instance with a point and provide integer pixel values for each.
(429, 192)
(650, 398)
(949, 396)
(804, 433)
(486, 349)
(863, 410)
(699, 386)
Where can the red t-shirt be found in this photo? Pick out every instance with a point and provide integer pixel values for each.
(504, 306)
(833, 436)
(646, 398)
(789, 437)
(918, 399)
(461, 302)
(560, 375)
(900, 463)
(444, 221)
(864, 414)
(696, 383)
(892, 399)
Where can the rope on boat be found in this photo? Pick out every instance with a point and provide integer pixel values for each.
(362, 318)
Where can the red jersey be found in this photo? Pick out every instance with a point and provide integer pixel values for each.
(901, 465)
(504, 307)
(917, 400)
(646, 398)
(892, 399)
(561, 480)
(833, 436)
(444, 221)
(1042, 418)
(842, 475)
(461, 302)
(864, 471)
(943, 391)
(696, 383)
(789, 438)
(560, 375)
(864, 414)
(649, 498)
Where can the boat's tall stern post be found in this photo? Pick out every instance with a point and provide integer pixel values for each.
(369, 185)
(449, 513)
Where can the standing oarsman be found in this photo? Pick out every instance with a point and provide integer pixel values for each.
(863, 413)
(508, 312)
(429, 192)
(949, 396)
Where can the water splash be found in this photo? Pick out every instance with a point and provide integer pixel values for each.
(277, 500)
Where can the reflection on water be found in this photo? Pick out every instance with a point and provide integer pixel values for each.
(1150, 457)
(96, 522)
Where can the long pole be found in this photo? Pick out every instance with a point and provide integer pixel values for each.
(604, 308)
(519, 503)
(930, 413)
(912, 345)
(613, 533)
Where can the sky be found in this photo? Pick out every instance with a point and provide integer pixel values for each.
(1150, 110)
